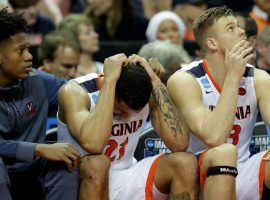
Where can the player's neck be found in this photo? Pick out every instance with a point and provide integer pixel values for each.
(216, 68)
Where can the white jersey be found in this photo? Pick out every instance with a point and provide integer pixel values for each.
(246, 111)
(125, 132)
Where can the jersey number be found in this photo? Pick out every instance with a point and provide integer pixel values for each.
(112, 145)
(236, 129)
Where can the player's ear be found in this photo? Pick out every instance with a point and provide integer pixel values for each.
(211, 43)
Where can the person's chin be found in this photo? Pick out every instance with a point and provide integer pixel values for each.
(24, 76)
(122, 119)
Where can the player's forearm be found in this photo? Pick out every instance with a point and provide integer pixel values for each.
(171, 125)
(96, 129)
(219, 123)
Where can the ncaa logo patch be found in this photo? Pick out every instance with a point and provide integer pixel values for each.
(95, 97)
(205, 83)
(155, 146)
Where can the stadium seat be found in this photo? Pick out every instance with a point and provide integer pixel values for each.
(51, 135)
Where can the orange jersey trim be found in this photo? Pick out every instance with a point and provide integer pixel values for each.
(150, 179)
(261, 174)
(99, 81)
(201, 174)
(261, 23)
(211, 78)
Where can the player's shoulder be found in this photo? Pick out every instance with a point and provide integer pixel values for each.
(183, 78)
(258, 73)
(87, 77)
(188, 71)
(192, 65)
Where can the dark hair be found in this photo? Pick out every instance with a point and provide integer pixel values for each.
(251, 27)
(53, 40)
(206, 20)
(22, 4)
(134, 86)
(11, 23)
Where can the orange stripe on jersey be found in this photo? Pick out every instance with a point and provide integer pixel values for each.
(211, 78)
(202, 175)
(150, 179)
(99, 81)
(261, 174)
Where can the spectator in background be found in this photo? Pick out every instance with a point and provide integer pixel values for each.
(60, 54)
(263, 50)
(251, 29)
(151, 7)
(38, 25)
(116, 20)
(83, 28)
(188, 10)
(260, 13)
(170, 55)
(50, 9)
(57, 9)
(27, 164)
(166, 25)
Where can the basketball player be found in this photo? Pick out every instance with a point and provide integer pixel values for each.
(103, 116)
(220, 104)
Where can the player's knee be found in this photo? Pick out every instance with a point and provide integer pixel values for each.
(228, 151)
(223, 154)
(94, 166)
(185, 162)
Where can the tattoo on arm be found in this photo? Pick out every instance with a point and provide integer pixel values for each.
(181, 196)
(168, 109)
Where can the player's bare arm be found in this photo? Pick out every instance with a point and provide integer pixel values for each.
(75, 105)
(164, 116)
(262, 84)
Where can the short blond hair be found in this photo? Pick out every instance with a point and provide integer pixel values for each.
(206, 20)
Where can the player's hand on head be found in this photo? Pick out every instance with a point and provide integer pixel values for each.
(157, 67)
(59, 152)
(237, 58)
(113, 65)
(137, 60)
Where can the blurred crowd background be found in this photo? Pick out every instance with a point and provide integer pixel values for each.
(103, 28)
